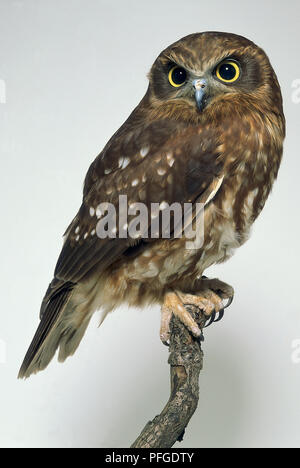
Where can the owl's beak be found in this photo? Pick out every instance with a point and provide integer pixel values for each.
(199, 87)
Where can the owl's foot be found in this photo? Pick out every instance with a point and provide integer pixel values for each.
(219, 293)
(210, 298)
(224, 291)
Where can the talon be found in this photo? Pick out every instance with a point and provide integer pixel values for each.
(230, 300)
(211, 320)
(221, 315)
(201, 338)
(165, 340)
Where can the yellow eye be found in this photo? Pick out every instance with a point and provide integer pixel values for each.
(177, 76)
(228, 71)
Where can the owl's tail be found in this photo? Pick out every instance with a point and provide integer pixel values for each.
(63, 324)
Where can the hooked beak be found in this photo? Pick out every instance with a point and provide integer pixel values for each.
(199, 87)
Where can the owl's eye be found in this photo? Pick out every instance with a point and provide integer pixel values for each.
(228, 71)
(177, 76)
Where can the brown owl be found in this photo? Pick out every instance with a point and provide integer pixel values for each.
(209, 132)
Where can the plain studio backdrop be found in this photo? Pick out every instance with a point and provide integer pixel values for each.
(71, 71)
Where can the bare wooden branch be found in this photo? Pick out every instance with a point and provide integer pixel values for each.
(186, 360)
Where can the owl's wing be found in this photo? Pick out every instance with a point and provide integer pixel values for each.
(154, 164)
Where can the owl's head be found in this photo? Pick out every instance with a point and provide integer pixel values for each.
(204, 68)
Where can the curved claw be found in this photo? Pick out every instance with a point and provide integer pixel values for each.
(212, 319)
(201, 338)
(230, 300)
(166, 343)
(221, 315)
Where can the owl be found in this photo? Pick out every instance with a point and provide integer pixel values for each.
(209, 132)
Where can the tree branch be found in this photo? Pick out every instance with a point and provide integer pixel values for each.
(186, 360)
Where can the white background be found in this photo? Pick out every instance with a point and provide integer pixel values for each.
(74, 70)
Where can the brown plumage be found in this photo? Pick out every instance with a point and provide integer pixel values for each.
(223, 148)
